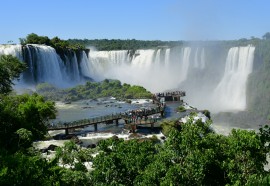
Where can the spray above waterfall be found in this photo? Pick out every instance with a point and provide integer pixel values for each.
(214, 82)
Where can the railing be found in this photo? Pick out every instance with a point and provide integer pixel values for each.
(103, 119)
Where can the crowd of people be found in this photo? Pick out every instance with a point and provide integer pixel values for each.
(141, 114)
(174, 93)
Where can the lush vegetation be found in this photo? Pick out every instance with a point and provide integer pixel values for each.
(129, 44)
(93, 90)
(192, 154)
(55, 42)
(10, 69)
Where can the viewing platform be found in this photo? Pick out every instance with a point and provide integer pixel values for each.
(169, 96)
(132, 118)
(129, 118)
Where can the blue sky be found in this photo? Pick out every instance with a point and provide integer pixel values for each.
(135, 19)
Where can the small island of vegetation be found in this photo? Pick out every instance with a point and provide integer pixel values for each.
(93, 90)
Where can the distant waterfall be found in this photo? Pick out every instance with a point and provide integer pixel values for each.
(199, 58)
(45, 65)
(157, 58)
(184, 63)
(230, 93)
(167, 57)
(103, 62)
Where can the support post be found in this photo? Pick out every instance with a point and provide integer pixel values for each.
(116, 122)
(95, 125)
(133, 128)
(162, 113)
(152, 126)
(66, 128)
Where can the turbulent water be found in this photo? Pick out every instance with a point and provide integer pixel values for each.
(214, 79)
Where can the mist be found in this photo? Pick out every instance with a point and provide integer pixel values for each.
(213, 77)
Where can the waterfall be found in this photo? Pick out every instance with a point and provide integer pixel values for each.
(167, 57)
(202, 59)
(217, 84)
(157, 58)
(45, 65)
(185, 63)
(143, 59)
(86, 67)
(230, 93)
(199, 59)
(49, 67)
(196, 63)
(72, 67)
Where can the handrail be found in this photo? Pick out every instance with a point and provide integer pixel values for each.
(102, 119)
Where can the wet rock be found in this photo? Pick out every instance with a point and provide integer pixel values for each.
(163, 137)
(115, 137)
(59, 137)
(44, 150)
(92, 146)
(52, 147)
(70, 136)
(76, 140)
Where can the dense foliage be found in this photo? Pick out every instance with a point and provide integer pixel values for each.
(55, 42)
(93, 90)
(129, 44)
(10, 69)
(23, 119)
(192, 153)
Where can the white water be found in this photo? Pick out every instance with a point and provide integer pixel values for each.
(14, 50)
(230, 93)
(157, 70)
(49, 68)
(45, 65)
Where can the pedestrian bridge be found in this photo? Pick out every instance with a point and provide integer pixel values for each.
(130, 119)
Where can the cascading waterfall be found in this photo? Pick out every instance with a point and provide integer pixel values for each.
(86, 67)
(230, 93)
(186, 67)
(161, 69)
(50, 68)
(157, 58)
(185, 63)
(167, 57)
(147, 67)
(199, 58)
(202, 59)
(45, 65)
(101, 64)
(72, 68)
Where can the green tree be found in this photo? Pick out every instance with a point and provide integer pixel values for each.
(22, 114)
(10, 69)
(28, 169)
(35, 39)
(120, 162)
